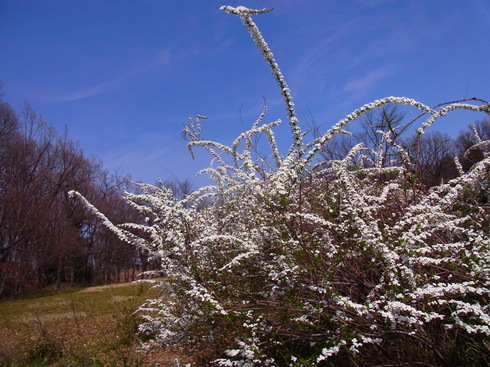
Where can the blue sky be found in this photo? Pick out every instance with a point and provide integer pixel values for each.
(124, 76)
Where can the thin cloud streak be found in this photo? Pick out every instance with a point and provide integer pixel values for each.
(366, 83)
(162, 58)
(335, 52)
(322, 54)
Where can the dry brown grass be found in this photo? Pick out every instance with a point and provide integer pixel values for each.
(84, 327)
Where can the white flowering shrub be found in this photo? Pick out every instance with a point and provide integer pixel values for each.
(297, 261)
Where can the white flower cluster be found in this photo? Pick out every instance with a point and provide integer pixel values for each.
(333, 242)
(289, 263)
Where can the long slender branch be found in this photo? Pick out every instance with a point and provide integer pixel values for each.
(245, 15)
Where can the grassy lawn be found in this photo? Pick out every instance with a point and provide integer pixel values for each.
(78, 327)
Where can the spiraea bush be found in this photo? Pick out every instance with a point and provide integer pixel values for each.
(293, 260)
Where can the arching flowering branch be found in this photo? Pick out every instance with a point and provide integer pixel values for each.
(121, 233)
(318, 143)
(245, 15)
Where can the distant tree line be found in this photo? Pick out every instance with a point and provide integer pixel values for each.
(46, 238)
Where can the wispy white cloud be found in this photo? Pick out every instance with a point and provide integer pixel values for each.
(90, 91)
(347, 64)
(161, 58)
(323, 53)
(364, 84)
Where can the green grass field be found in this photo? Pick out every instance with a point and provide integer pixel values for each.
(78, 327)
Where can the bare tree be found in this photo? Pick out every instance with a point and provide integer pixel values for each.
(433, 156)
(44, 237)
(373, 128)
